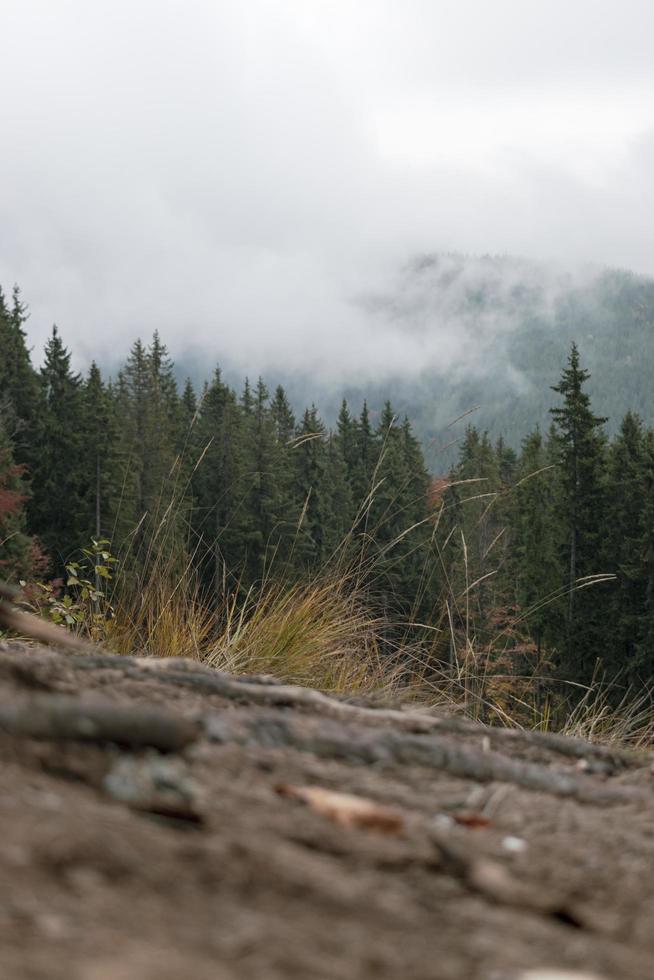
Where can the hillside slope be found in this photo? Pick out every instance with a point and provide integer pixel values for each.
(490, 334)
(513, 324)
(162, 820)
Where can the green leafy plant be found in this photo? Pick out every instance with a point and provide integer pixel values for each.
(83, 602)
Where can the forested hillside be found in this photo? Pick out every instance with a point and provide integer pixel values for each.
(489, 334)
(513, 321)
(520, 564)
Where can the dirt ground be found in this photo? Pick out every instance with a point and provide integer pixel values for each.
(120, 861)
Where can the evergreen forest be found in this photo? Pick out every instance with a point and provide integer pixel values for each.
(533, 561)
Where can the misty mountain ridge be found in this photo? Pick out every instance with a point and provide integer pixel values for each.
(486, 336)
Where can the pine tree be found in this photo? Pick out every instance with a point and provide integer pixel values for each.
(19, 384)
(189, 404)
(507, 461)
(626, 493)
(341, 510)
(392, 513)
(132, 407)
(422, 568)
(359, 447)
(288, 505)
(503, 515)
(539, 572)
(99, 464)
(581, 445)
(363, 460)
(247, 399)
(479, 525)
(56, 507)
(346, 437)
(153, 510)
(165, 402)
(262, 494)
(310, 467)
(219, 488)
(481, 529)
(282, 417)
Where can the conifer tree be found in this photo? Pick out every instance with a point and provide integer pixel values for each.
(131, 408)
(262, 495)
(19, 385)
(99, 465)
(626, 493)
(391, 515)
(346, 437)
(153, 509)
(310, 464)
(189, 404)
(387, 519)
(581, 460)
(218, 487)
(282, 417)
(478, 526)
(503, 514)
(536, 545)
(363, 460)
(507, 461)
(165, 403)
(56, 508)
(247, 398)
(288, 505)
(341, 509)
(422, 571)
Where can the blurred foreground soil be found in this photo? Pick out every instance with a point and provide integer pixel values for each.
(154, 827)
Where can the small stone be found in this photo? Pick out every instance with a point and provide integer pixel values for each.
(51, 926)
(155, 784)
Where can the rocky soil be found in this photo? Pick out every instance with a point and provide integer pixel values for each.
(162, 820)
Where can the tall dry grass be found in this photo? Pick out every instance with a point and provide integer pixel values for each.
(327, 632)
(323, 632)
(320, 633)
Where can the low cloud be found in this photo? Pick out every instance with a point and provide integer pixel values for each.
(256, 180)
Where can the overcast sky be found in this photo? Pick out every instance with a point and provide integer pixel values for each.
(238, 174)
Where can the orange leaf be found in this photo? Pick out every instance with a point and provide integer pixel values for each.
(472, 820)
(346, 809)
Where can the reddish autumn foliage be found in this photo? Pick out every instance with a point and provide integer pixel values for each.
(436, 491)
(11, 497)
(20, 554)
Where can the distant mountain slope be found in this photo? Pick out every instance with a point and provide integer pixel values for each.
(494, 332)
